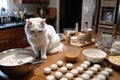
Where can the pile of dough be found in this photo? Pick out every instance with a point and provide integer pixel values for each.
(114, 60)
(116, 45)
(115, 50)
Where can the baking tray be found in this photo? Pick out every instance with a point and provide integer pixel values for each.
(82, 45)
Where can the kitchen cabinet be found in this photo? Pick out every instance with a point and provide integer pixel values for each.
(31, 1)
(13, 38)
(3, 45)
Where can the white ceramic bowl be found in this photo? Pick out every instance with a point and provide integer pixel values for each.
(74, 39)
(94, 55)
(70, 31)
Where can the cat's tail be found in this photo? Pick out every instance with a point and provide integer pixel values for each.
(60, 48)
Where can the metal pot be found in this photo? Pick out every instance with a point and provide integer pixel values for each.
(20, 69)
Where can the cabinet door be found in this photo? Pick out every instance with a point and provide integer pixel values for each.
(22, 41)
(12, 42)
(35, 1)
(3, 45)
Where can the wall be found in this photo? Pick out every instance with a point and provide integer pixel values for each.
(87, 13)
(53, 3)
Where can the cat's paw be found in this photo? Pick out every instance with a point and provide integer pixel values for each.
(44, 57)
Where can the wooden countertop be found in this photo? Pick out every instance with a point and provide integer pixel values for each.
(38, 72)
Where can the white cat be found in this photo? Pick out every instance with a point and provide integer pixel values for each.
(42, 37)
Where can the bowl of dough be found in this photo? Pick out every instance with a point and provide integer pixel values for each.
(94, 55)
(115, 61)
(17, 62)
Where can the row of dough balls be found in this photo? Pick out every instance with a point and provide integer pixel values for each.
(63, 69)
(94, 70)
(73, 72)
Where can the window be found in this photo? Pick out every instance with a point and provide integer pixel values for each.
(3, 3)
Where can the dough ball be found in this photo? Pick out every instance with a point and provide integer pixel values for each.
(87, 62)
(84, 66)
(63, 69)
(69, 66)
(69, 76)
(74, 72)
(89, 72)
(95, 79)
(59, 63)
(63, 78)
(85, 76)
(78, 78)
(50, 77)
(101, 77)
(53, 67)
(58, 75)
(47, 70)
(109, 70)
(80, 69)
(97, 66)
(94, 69)
(105, 73)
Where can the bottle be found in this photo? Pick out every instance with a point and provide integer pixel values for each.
(76, 29)
(86, 26)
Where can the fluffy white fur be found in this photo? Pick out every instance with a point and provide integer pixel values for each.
(42, 37)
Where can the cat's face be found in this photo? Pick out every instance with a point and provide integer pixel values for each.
(36, 26)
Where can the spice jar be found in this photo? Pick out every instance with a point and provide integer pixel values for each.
(82, 38)
(89, 35)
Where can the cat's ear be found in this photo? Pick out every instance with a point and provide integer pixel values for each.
(28, 22)
(43, 21)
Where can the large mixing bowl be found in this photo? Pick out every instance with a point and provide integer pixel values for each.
(17, 62)
(94, 55)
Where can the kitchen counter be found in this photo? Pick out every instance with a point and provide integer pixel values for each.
(11, 25)
(38, 72)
